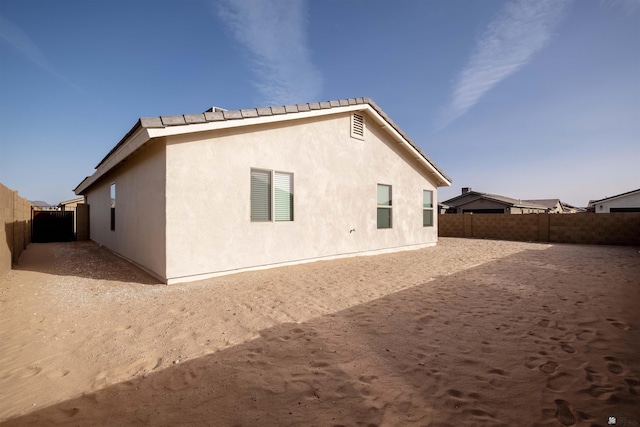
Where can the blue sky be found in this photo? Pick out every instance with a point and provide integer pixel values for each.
(525, 98)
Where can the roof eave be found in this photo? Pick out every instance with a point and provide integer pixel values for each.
(146, 129)
(628, 193)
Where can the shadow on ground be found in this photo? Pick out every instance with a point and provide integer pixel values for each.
(83, 259)
(541, 337)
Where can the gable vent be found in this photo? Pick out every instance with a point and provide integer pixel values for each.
(357, 126)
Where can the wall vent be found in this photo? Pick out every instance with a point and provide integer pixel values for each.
(357, 126)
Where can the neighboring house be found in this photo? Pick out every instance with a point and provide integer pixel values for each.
(625, 202)
(442, 208)
(70, 205)
(475, 202)
(555, 206)
(39, 205)
(196, 196)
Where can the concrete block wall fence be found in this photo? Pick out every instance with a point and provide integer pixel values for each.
(15, 235)
(621, 228)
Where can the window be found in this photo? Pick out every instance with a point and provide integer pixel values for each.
(271, 196)
(283, 196)
(427, 208)
(113, 206)
(384, 206)
(260, 195)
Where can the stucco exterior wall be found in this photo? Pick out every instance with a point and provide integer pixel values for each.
(630, 201)
(139, 233)
(209, 228)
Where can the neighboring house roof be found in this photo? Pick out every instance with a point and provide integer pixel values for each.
(216, 118)
(606, 199)
(457, 201)
(547, 203)
(68, 202)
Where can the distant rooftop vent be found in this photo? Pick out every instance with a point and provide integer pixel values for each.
(465, 190)
(215, 109)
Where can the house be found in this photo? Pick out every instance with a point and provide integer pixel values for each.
(70, 205)
(475, 202)
(625, 202)
(200, 195)
(556, 206)
(442, 208)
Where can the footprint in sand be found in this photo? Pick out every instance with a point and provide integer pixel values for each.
(613, 365)
(564, 414)
(586, 335)
(544, 323)
(367, 379)
(532, 363)
(549, 367)
(633, 385)
(455, 393)
(71, 412)
(619, 324)
(567, 348)
(31, 371)
(58, 373)
(560, 382)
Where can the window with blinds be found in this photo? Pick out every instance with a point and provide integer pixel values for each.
(271, 195)
(427, 208)
(260, 195)
(384, 206)
(283, 196)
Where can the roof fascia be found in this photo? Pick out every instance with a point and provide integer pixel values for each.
(383, 123)
(249, 121)
(136, 140)
(468, 193)
(482, 197)
(139, 135)
(606, 199)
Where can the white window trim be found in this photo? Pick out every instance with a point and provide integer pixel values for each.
(390, 206)
(427, 209)
(272, 198)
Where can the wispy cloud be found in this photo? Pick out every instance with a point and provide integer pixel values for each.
(630, 7)
(19, 40)
(274, 32)
(519, 31)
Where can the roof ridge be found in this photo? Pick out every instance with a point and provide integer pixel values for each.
(215, 114)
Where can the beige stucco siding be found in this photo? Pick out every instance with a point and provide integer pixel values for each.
(139, 233)
(209, 229)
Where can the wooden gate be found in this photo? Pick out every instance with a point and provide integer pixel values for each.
(51, 226)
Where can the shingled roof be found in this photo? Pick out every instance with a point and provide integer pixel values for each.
(216, 114)
(502, 199)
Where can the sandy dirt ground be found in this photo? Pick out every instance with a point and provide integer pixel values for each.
(469, 332)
